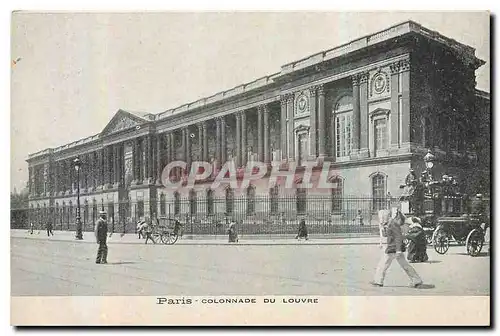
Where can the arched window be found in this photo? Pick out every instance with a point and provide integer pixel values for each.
(343, 126)
(177, 203)
(301, 196)
(337, 193)
(192, 202)
(273, 200)
(250, 200)
(210, 202)
(379, 191)
(163, 205)
(229, 200)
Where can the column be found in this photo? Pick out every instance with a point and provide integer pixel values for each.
(135, 163)
(267, 144)
(260, 134)
(291, 135)
(114, 164)
(142, 160)
(105, 164)
(200, 141)
(168, 154)
(217, 143)
(205, 141)
(56, 177)
(364, 121)
(356, 114)
(30, 180)
(223, 140)
(159, 155)
(111, 168)
(119, 165)
(313, 122)
(321, 122)
(150, 176)
(284, 152)
(183, 143)
(405, 101)
(171, 146)
(188, 148)
(395, 105)
(244, 156)
(238, 139)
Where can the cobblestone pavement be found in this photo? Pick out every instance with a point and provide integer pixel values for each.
(64, 267)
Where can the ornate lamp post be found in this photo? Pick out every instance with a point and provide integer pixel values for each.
(429, 160)
(79, 235)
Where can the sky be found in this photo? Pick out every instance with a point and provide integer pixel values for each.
(77, 69)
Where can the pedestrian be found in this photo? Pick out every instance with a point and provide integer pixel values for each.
(417, 242)
(394, 250)
(302, 233)
(140, 228)
(147, 229)
(32, 227)
(49, 229)
(232, 233)
(101, 235)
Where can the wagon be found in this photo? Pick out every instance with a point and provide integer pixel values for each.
(168, 230)
(466, 229)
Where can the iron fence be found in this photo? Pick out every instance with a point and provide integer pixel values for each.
(211, 216)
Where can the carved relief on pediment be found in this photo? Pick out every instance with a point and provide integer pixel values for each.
(121, 124)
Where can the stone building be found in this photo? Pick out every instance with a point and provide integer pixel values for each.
(371, 108)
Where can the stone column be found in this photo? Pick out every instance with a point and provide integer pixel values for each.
(183, 143)
(30, 180)
(168, 154)
(143, 161)
(238, 139)
(395, 105)
(200, 141)
(321, 122)
(102, 167)
(135, 161)
(405, 101)
(106, 170)
(205, 142)
(111, 167)
(188, 148)
(150, 176)
(291, 122)
(356, 114)
(260, 134)
(364, 121)
(267, 144)
(313, 123)
(284, 152)
(217, 142)
(223, 140)
(244, 139)
(56, 177)
(171, 146)
(159, 155)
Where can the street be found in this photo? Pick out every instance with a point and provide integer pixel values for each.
(60, 268)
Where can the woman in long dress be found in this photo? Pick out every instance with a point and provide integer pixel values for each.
(417, 242)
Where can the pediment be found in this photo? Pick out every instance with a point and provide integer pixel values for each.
(122, 120)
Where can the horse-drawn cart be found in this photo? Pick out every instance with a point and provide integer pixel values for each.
(167, 230)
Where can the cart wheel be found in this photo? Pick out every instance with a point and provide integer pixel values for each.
(441, 241)
(173, 238)
(474, 242)
(165, 237)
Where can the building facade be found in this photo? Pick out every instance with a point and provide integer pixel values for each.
(370, 108)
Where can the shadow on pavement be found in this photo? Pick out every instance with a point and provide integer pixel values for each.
(423, 286)
(122, 263)
(482, 254)
(432, 262)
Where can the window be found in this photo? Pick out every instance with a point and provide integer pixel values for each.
(250, 200)
(229, 201)
(192, 202)
(274, 193)
(301, 201)
(140, 209)
(337, 193)
(378, 192)
(177, 203)
(163, 205)
(210, 202)
(380, 128)
(343, 126)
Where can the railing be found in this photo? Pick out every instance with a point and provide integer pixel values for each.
(254, 214)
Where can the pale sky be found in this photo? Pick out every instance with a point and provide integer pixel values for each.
(77, 70)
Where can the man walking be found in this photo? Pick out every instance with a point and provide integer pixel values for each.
(101, 234)
(49, 229)
(394, 250)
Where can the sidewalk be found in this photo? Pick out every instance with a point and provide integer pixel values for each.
(131, 238)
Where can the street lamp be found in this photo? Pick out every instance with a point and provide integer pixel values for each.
(429, 159)
(79, 235)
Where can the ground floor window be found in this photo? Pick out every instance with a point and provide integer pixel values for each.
(379, 192)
